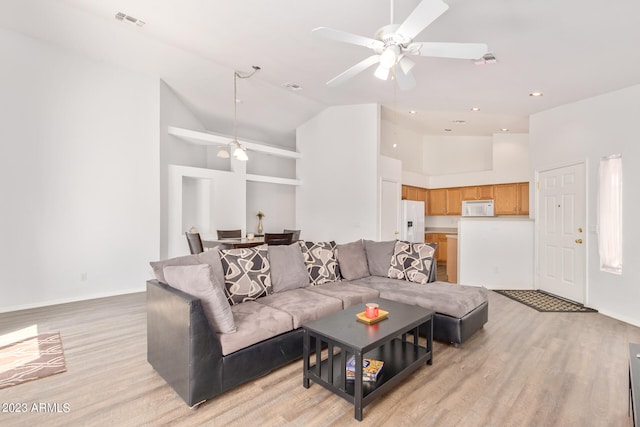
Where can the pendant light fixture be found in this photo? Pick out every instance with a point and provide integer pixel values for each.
(234, 147)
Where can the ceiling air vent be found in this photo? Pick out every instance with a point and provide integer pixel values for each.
(292, 86)
(124, 17)
(488, 58)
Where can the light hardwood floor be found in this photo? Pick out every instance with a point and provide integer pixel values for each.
(523, 369)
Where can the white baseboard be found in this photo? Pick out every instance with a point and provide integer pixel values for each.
(68, 300)
(634, 322)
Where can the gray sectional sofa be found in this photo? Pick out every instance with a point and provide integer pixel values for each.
(219, 334)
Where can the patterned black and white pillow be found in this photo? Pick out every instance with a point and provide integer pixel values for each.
(247, 274)
(411, 261)
(321, 262)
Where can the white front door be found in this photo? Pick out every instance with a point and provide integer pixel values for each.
(562, 235)
(389, 210)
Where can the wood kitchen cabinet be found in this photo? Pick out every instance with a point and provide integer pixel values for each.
(441, 240)
(511, 199)
(485, 192)
(437, 202)
(477, 192)
(412, 193)
(470, 193)
(416, 193)
(454, 201)
(425, 198)
(523, 198)
(442, 248)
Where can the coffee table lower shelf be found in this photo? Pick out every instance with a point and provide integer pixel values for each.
(401, 358)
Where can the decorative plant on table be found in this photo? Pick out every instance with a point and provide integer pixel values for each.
(260, 215)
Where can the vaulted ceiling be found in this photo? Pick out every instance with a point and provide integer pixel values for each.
(568, 50)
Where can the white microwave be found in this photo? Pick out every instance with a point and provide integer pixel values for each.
(477, 208)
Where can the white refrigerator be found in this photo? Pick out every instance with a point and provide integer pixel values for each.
(412, 221)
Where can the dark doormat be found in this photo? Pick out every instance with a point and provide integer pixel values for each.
(543, 301)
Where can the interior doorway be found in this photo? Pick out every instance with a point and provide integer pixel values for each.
(389, 209)
(561, 230)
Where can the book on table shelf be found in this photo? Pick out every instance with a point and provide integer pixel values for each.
(370, 369)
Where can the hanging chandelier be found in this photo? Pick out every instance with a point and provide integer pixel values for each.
(234, 147)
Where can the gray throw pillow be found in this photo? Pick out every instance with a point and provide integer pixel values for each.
(379, 256)
(247, 273)
(411, 261)
(287, 267)
(196, 280)
(210, 257)
(352, 260)
(320, 260)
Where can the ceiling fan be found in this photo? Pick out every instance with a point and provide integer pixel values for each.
(393, 43)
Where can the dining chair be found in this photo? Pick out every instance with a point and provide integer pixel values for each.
(229, 234)
(195, 243)
(296, 234)
(275, 239)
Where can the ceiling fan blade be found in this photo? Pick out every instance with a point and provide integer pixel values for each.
(454, 50)
(342, 36)
(405, 81)
(423, 15)
(356, 69)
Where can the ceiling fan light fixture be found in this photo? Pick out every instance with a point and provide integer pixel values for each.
(241, 154)
(223, 153)
(389, 57)
(406, 64)
(382, 72)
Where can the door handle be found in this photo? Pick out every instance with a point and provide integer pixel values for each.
(579, 241)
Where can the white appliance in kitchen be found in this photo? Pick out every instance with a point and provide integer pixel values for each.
(412, 221)
(477, 208)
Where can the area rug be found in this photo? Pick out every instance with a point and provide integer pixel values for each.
(30, 359)
(543, 301)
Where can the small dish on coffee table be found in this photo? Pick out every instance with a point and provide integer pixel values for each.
(382, 314)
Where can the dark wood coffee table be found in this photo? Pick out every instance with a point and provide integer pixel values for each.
(386, 341)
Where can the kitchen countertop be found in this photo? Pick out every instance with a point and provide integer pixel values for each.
(446, 230)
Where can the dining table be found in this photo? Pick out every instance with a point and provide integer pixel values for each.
(231, 243)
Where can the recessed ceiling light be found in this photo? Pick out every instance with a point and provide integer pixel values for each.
(504, 130)
(395, 145)
(292, 86)
(447, 130)
(458, 122)
(536, 94)
(124, 17)
(412, 112)
(475, 108)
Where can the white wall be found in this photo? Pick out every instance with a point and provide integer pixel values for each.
(277, 201)
(338, 198)
(175, 151)
(590, 129)
(496, 253)
(217, 201)
(79, 175)
(510, 159)
(447, 155)
(409, 146)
